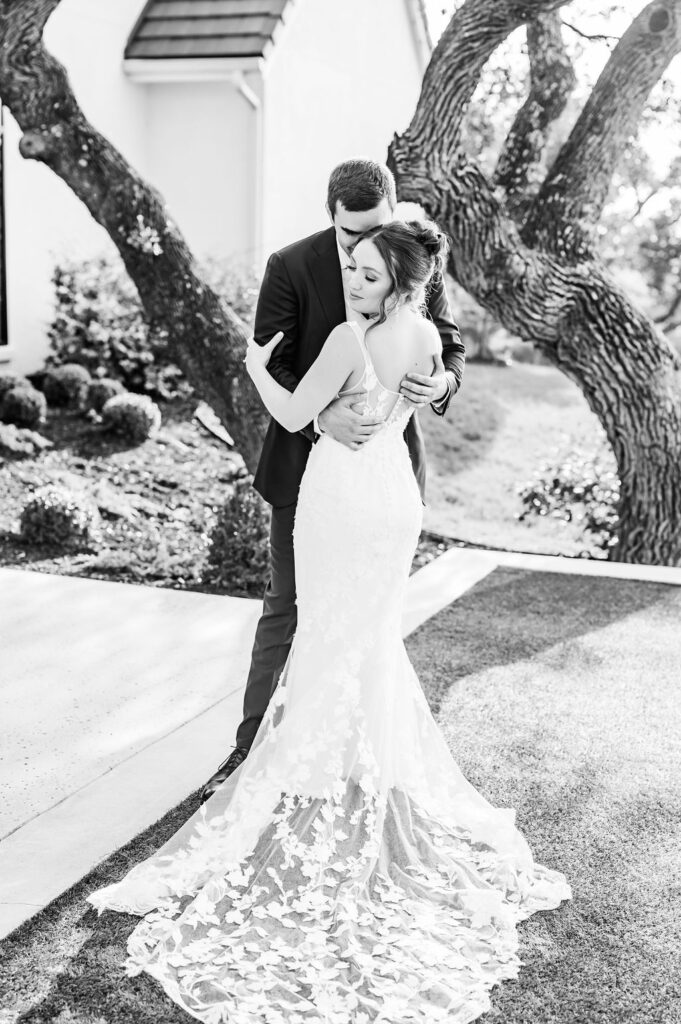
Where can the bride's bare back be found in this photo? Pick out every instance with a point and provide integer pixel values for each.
(405, 343)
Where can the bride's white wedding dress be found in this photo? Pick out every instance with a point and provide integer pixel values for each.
(346, 872)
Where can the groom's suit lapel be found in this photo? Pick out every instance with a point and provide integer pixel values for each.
(324, 269)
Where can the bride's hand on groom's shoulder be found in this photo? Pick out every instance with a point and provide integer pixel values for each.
(259, 355)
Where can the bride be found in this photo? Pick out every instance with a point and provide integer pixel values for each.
(346, 872)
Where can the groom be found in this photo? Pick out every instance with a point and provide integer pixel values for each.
(304, 295)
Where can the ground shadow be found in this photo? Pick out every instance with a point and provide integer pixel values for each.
(613, 953)
(514, 614)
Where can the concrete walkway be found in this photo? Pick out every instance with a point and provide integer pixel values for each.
(119, 701)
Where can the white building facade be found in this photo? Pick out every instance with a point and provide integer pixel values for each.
(235, 110)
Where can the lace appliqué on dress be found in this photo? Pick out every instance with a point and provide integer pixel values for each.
(347, 872)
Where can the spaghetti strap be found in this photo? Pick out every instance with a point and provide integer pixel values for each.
(357, 331)
(369, 378)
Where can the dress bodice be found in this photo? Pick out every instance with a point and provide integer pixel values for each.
(390, 406)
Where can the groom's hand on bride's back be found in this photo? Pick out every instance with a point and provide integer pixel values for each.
(344, 421)
(421, 390)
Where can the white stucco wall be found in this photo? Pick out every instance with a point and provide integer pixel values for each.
(341, 80)
(44, 220)
(201, 153)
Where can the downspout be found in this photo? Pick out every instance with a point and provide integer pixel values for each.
(255, 102)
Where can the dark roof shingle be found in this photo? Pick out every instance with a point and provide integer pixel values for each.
(204, 28)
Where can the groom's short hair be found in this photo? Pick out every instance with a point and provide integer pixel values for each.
(360, 185)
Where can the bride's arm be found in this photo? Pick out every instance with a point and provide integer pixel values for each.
(319, 386)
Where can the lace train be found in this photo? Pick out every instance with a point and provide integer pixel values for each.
(347, 872)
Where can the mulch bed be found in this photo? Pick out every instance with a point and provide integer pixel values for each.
(158, 500)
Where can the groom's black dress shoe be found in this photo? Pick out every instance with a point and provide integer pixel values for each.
(238, 755)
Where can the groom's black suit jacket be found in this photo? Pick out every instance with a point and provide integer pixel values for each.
(302, 295)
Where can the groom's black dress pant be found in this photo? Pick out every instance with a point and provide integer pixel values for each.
(275, 630)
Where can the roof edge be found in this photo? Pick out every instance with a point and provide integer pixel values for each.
(138, 22)
(188, 69)
(267, 44)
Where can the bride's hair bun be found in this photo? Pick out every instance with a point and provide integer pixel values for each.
(430, 237)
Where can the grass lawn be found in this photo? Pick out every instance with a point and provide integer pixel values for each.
(499, 429)
(558, 696)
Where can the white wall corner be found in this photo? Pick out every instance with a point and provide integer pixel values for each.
(423, 42)
(252, 89)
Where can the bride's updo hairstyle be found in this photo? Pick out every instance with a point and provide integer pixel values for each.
(413, 251)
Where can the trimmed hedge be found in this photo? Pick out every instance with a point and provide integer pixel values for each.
(238, 555)
(58, 516)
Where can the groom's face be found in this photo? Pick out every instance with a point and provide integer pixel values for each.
(350, 225)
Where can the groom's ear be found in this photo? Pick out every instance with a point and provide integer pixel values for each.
(328, 210)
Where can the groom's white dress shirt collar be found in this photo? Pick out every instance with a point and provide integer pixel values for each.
(342, 255)
(344, 260)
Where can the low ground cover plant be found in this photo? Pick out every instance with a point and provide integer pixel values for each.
(23, 406)
(100, 391)
(238, 554)
(66, 386)
(12, 380)
(58, 516)
(578, 485)
(134, 417)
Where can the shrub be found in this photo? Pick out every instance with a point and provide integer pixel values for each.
(99, 322)
(66, 386)
(23, 406)
(238, 553)
(236, 283)
(134, 417)
(100, 391)
(578, 486)
(8, 381)
(59, 516)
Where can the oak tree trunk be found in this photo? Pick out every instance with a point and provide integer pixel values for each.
(531, 259)
(206, 339)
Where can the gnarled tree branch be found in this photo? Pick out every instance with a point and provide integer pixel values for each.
(572, 310)
(205, 337)
(552, 79)
(571, 199)
(473, 34)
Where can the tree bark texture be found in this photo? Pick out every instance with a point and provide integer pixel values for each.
(206, 339)
(574, 192)
(542, 279)
(552, 79)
